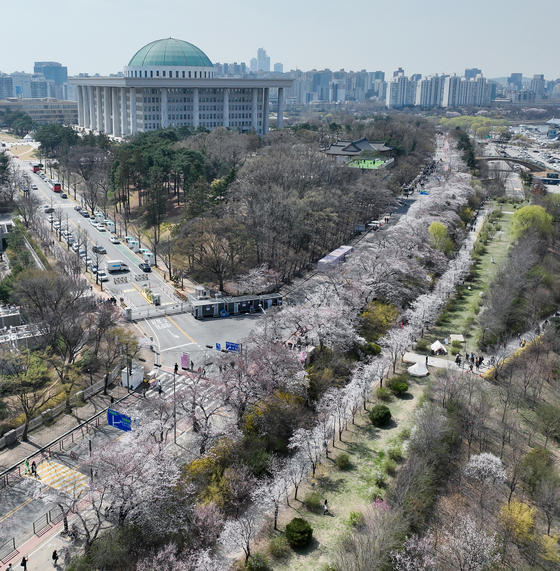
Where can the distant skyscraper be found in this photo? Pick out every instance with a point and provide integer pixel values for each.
(6, 86)
(399, 72)
(515, 81)
(52, 70)
(253, 65)
(538, 86)
(416, 77)
(263, 61)
(278, 68)
(378, 75)
(472, 72)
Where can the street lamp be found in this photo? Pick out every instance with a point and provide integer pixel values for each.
(175, 369)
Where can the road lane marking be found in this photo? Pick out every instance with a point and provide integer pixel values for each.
(176, 347)
(16, 509)
(181, 330)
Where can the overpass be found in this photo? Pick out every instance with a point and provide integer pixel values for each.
(528, 163)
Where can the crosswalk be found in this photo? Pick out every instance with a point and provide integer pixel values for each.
(164, 380)
(61, 477)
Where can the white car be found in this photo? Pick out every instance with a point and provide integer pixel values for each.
(93, 222)
(101, 228)
(75, 246)
(102, 275)
(114, 240)
(56, 225)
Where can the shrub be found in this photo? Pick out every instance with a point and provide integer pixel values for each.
(455, 350)
(299, 533)
(380, 415)
(343, 462)
(356, 519)
(383, 394)
(370, 348)
(421, 346)
(312, 502)
(398, 388)
(258, 562)
(278, 547)
(379, 479)
(390, 467)
(395, 453)
(456, 343)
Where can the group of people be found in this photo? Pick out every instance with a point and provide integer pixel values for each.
(31, 470)
(471, 361)
(25, 560)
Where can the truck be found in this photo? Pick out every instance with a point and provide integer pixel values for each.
(116, 266)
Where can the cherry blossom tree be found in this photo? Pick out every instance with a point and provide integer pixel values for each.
(309, 444)
(239, 534)
(416, 554)
(296, 469)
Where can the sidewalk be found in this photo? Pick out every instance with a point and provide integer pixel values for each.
(65, 422)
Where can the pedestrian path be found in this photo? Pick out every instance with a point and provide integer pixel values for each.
(164, 380)
(60, 477)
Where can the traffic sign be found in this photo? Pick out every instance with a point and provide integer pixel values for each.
(233, 347)
(118, 420)
(218, 347)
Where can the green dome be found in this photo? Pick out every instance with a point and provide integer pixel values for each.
(169, 52)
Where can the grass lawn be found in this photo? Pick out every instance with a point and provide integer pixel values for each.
(461, 317)
(346, 491)
(8, 138)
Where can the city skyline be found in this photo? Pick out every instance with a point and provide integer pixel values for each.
(301, 36)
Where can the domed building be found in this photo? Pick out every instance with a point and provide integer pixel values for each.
(171, 83)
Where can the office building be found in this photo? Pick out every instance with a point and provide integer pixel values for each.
(278, 68)
(6, 86)
(538, 86)
(263, 60)
(172, 83)
(43, 110)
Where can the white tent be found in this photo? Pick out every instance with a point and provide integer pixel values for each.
(438, 348)
(419, 369)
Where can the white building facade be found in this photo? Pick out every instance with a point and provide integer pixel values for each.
(171, 83)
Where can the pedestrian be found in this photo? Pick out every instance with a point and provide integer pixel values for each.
(458, 360)
(492, 260)
(27, 466)
(477, 364)
(160, 390)
(55, 558)
(325, 507)
(9, 568)
(33, 468)
(23, 563)
(471, 367)
(466, 357)
(472, 358)
(426, 360)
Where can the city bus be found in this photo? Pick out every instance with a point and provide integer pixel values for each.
(57, 187)
(37, 167)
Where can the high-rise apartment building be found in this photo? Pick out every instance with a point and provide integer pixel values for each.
(278, 68)
(515, 81)
(538, 86)
(6, 86)
(253, 65)
(401, 91)
(472, 72)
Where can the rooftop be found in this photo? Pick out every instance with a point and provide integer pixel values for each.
(170, 52)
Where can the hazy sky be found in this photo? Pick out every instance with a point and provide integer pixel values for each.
(423, 36)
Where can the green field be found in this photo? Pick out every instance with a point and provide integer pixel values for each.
(366, 163)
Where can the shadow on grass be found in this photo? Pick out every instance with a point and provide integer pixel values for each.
(405, 396)
(361, 450)
(309, 549)
(327, 484)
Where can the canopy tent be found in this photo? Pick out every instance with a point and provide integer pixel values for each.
(438, 348)
(418, 369)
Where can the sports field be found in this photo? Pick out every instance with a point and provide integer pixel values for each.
(366, 163)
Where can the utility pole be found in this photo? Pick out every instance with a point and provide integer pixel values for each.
(175, 369)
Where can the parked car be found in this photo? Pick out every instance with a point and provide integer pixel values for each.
(77, 208)
(94, 269)
(145, 267)
(48, 209)
(114, 239)
(63, 195)
(56, 225)
(75, 246)
(34, 187)
(102, 275)
(85, 213)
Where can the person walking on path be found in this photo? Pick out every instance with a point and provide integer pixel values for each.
(23, 563)
(325, 507)
(33, 469)
(55, 558)
(26, 466)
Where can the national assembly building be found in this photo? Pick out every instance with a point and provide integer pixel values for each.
(171, 83)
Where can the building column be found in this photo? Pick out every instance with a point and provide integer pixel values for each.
(195, 109)
(164, 116)
(255, 110)
(116, 111)
(265, 110)
(133, 127)
(124, 113)
(107, 110)
(91, 107)
(226, 108)
(87, 106)
(280, 122)
(99, 116)
(80, 106)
